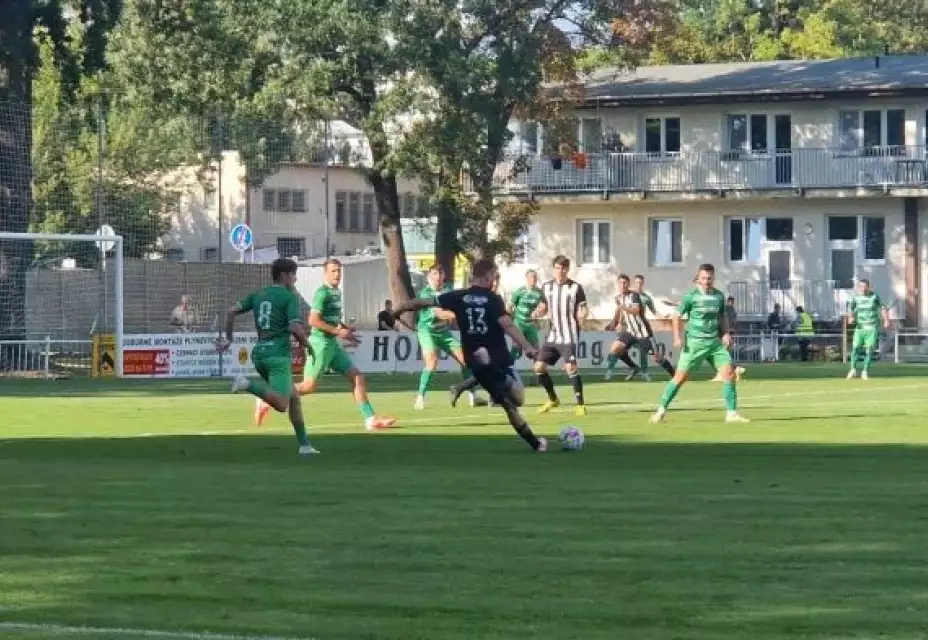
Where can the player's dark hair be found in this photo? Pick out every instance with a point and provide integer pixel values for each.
(638, 276)
(864, 281)
(436, 267)
(531, 272)
(280, 266)
(705, 266)
(482, 268)
(624, 276)
(561, 261)
(325, 265)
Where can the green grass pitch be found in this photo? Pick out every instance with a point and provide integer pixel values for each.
(147, 505)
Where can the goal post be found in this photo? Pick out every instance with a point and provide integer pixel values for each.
(57, 291)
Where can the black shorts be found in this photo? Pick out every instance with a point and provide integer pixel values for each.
(648, 344)
(498, 381)
(551, 352)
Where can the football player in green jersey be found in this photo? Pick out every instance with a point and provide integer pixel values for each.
(708, 338)
(327, 328)
(276, 311)
(868, 314)
(435, 336)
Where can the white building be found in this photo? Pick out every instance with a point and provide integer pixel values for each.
(287, 213)
(792, 178)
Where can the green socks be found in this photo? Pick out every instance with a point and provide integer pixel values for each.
(611, 361)
(642, 360)
(670, 392)
(367, 410)
(868, 359)
(300, 431)
(424, 379)
(730, 393)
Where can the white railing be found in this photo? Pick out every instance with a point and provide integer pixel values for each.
(695, 171)
(820, 298)
(44, 358)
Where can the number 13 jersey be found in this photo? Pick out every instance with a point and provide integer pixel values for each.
(478, 312)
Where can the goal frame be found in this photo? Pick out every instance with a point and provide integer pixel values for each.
(118, 278)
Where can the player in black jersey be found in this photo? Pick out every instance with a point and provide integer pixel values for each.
(632, 329)
(483, 321)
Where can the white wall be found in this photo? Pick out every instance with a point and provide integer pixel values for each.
(704, 241)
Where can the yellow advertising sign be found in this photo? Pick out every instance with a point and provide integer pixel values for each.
(103, 360)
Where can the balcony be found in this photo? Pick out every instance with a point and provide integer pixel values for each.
(821, 298)
(884, 168)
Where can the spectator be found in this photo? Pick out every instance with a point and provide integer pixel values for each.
(385, 319)
(182, 316)
(774, 322)
(804, 332)
(731, 313)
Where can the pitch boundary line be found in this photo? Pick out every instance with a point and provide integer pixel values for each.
(67, 630)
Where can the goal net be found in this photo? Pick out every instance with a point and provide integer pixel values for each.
(58, 294)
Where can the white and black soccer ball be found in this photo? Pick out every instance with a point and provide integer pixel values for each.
(571, 438)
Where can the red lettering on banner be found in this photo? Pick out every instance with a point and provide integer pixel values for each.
(147, 362)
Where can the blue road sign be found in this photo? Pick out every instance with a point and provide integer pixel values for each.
(241, 237)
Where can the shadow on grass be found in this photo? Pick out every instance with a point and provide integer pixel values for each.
(403, 536)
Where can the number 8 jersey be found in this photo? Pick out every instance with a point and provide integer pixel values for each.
(478, 312)
(274, 307)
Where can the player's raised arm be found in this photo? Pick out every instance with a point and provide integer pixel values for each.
(242, 306)
(418, 304)
(583, 310)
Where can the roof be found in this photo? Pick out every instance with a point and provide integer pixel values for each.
(779, 79)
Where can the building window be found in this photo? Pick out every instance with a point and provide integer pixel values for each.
(525, 245)
(291, 247)
(209, 198)
(283, 201)
(269, 200)
(174, 255)
(595, 241)
(873, 236)
(341, 199)
(747, 132)
(354, 211)
(666, 242)
(778, 229)
(591, 135)
(745, 240)
(871, 128)
(842, 228)
(298, 200)
(209, 254)
(662, 136)
(369, 221)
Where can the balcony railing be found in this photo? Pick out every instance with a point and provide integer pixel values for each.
(714, 171)
(821, 298)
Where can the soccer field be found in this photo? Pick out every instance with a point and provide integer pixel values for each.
(128, 506)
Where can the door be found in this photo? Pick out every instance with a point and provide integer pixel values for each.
(783, 152)
(780, 268)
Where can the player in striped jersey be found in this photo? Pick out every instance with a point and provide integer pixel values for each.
(633, 329)
(565, 306)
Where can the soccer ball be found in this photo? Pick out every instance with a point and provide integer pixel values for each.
(571, 438)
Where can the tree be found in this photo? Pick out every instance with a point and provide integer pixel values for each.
(18, 61)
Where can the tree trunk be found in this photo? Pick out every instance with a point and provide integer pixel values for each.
(392, 233)
(446, 236)
(16, 55)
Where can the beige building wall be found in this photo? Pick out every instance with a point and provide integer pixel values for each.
(556, 231)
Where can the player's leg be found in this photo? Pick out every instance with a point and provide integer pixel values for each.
(341, 363)
(659, 359)
(452, 346)
(317, 363)
(547, 357)
(722, 361)
(259, 387)
(643, 363)
(530, 331)
(572, 369)
(620, 352)
(261, 407)
(870, 343)
(856, 352)
(429, 365)
(690, 358)
(295, 413)
(500, 384)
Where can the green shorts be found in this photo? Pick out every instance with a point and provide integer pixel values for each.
(696, 351)
(436, 341)
(276, 370)
(327, 354)
(866, 338)
(530, 331)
